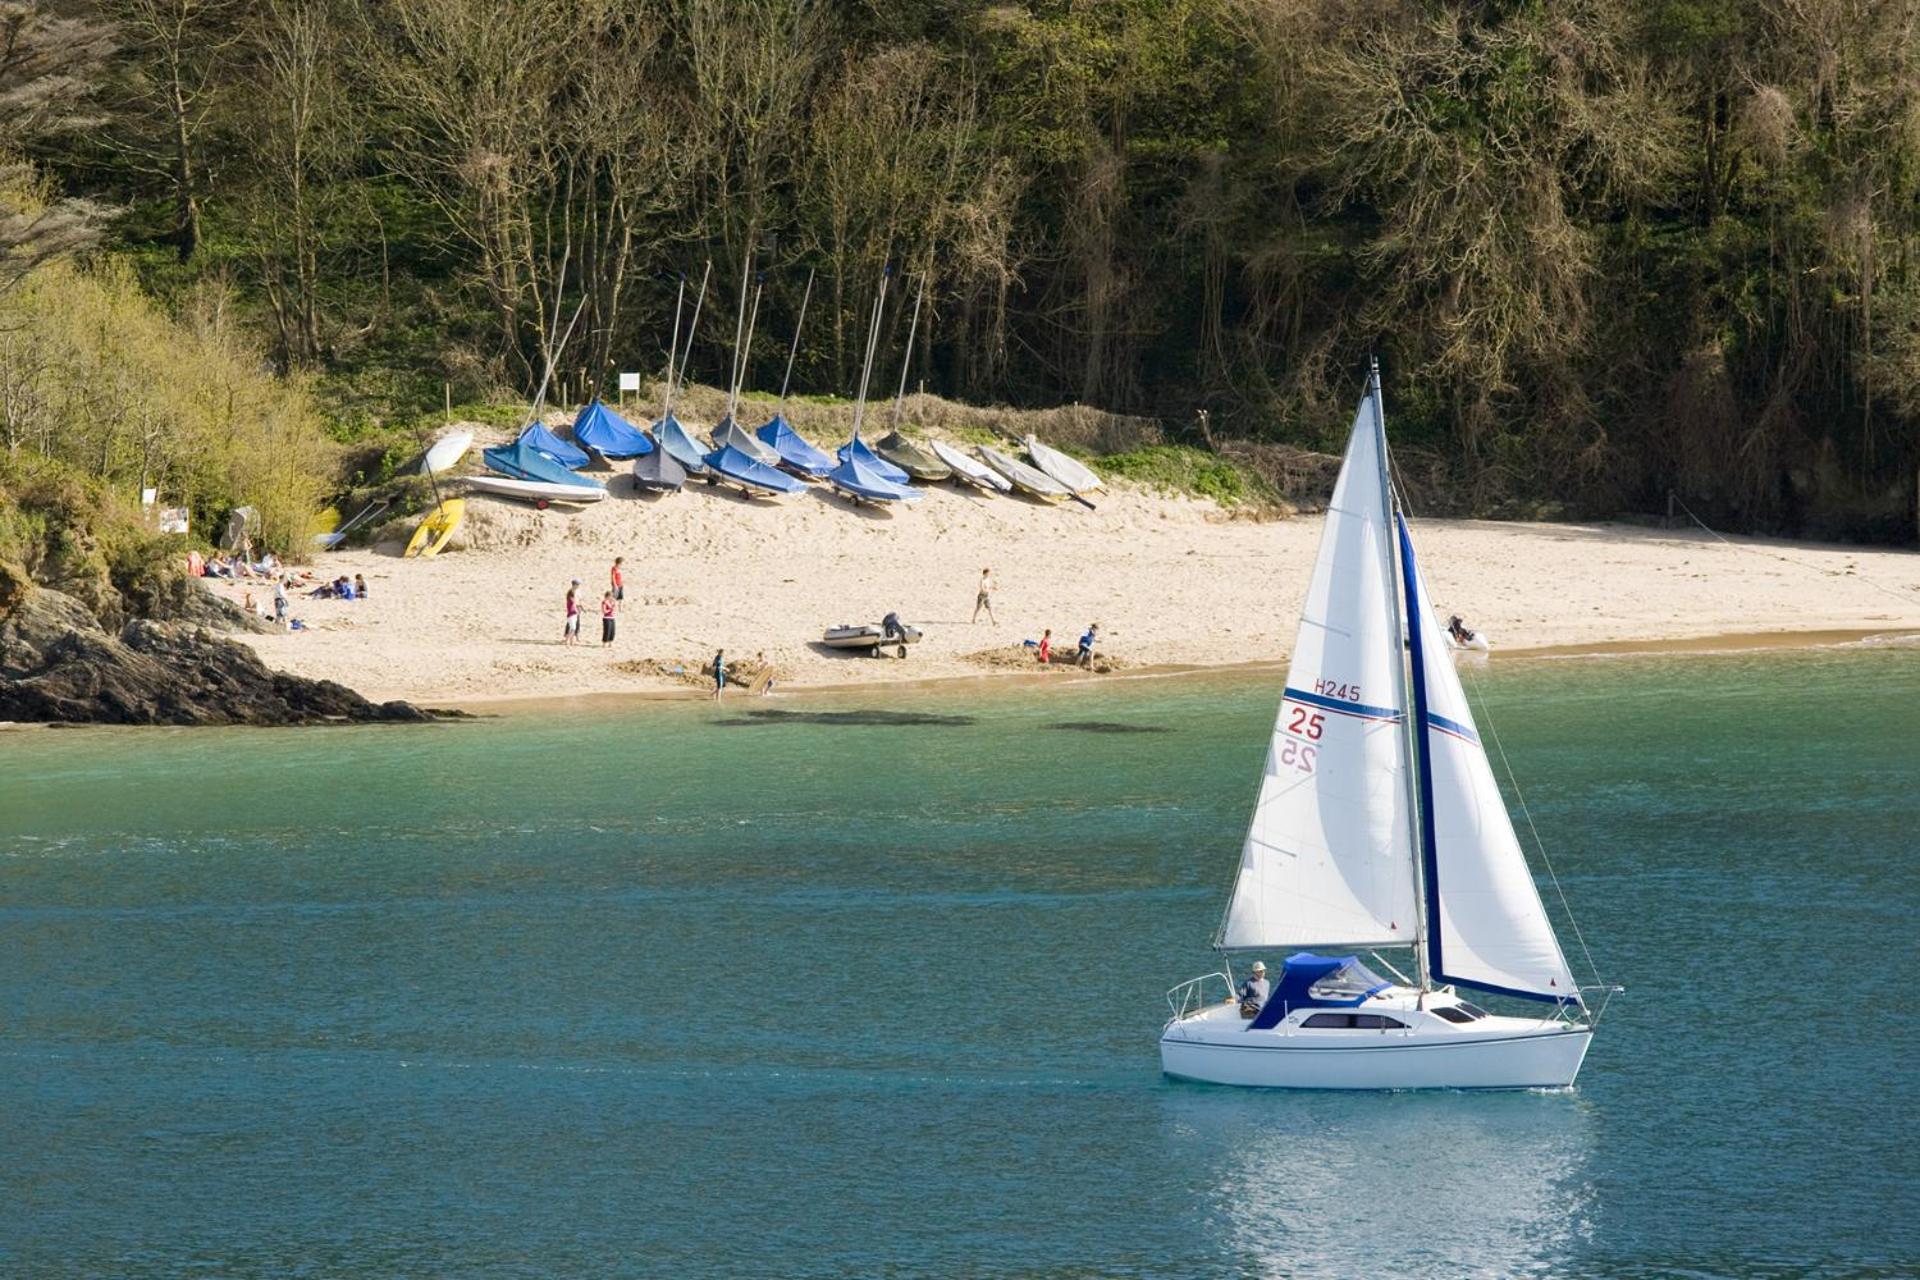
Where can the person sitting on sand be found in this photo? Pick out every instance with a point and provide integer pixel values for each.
(1254, 991)
(1458, 629)
(1086, 644)
(1046, 647)
(359, 587)
(344, 588)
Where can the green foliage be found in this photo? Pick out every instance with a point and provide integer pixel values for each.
(1179, 469)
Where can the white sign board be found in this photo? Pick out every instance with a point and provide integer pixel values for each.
(629, 382)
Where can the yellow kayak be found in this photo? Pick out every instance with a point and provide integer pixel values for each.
(431, 538)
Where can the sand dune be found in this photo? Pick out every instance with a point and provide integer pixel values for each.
(1171, 581)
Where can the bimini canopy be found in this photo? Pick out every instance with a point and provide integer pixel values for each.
(524, 460)
(553, 446)
(608, 434)
(796, 452)
(1308, 981)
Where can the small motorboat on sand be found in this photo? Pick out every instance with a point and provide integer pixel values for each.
(873, 637)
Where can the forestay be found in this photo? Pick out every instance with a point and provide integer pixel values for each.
(1327, 859)
(1486, 926)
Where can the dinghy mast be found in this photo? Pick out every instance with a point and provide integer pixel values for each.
(906, 356)
(793, 348)
(873, 340)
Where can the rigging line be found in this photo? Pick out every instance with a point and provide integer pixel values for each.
(1905, 597)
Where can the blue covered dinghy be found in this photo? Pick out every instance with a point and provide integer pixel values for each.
(858, 448)
(731, 466)
(524, 459)
(860, 480)
(608, 434)
(796, 452)
(553, 446)
(731, 435)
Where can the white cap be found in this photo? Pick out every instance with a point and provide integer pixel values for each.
(1259, 966)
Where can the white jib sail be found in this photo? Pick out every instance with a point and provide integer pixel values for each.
(1494, 931)
(1328, 857)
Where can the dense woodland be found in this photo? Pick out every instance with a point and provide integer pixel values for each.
(1603, 250)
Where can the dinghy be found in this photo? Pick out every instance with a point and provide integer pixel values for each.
(446, 451)
(538, 492)
(911, 458)
(680, 445)
(1379, 825)
(1023, 477)
(608, 434)
(436, 530)
(659, 472)
(859, 479)
(796, 453)
(755, 479)
(730, 434)
(1070, 472)
(870, 637)
(525, 460)
(544, 441)
(969, 471)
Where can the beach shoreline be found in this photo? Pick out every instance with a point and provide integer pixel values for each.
(1177, 585)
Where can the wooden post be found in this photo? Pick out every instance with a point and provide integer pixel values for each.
(1668, 523)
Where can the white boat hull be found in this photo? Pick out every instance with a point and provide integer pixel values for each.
(535, 490)
(446, 451)
(1216, 1046)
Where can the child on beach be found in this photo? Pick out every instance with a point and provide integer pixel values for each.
(619, 583)
(1086, 644)
(1046, 646)
(359, 587)
(606, 619)
(571, 636)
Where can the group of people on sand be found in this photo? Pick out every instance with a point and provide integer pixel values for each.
(611, 602)
(983, 603)
(236, 567)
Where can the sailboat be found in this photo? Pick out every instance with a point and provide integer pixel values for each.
(1379, 825)
(863, 475)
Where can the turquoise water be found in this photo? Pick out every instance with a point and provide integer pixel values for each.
(669, 990)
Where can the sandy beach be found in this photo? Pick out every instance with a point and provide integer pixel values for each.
(1172, 581)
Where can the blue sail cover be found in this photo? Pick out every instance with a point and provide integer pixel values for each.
(795, 450)
(857, 477)
(857, 448)
(608, 434)
(525, 460)
(680, 446)
(554, 447)
(735, 465)
(731, 434)
(1308, 981)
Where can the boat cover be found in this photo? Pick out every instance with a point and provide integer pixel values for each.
(860, 478)
(608, 434)
(795, 450)
(735, 465)
(731, 434)
(685, 449)
(860, 448)
(526, 460)
(910, 457)
(561, 451)
(658, 470)
(1308, 981)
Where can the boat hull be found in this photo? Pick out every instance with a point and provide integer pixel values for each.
(1540, 1059)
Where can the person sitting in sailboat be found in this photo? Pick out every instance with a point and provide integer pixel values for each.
(1254, 991)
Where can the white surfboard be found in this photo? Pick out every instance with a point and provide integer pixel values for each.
(446, 451)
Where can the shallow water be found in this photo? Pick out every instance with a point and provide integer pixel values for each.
(665, 989)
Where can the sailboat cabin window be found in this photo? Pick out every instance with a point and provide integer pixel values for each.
(1353, 1022)
(1462, 1012)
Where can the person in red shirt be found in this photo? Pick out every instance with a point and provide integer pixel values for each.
(619, 583)
(1046, 646)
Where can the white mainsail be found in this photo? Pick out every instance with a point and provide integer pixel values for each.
(1487, 925)
(1327, 857)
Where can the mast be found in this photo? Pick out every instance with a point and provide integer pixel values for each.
(873, 338)
(739, 327)
(906, 359)
(794, 349)
(1390, 505)
(673, 351)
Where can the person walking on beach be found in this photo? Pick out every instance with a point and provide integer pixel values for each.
(719, 673)
(619, 584)
(983, 599)
(571, 636)
(606, 619)
(1086, 644)
(1046, 646)
(280, 601)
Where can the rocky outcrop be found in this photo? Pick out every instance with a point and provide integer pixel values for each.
(57, 663)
